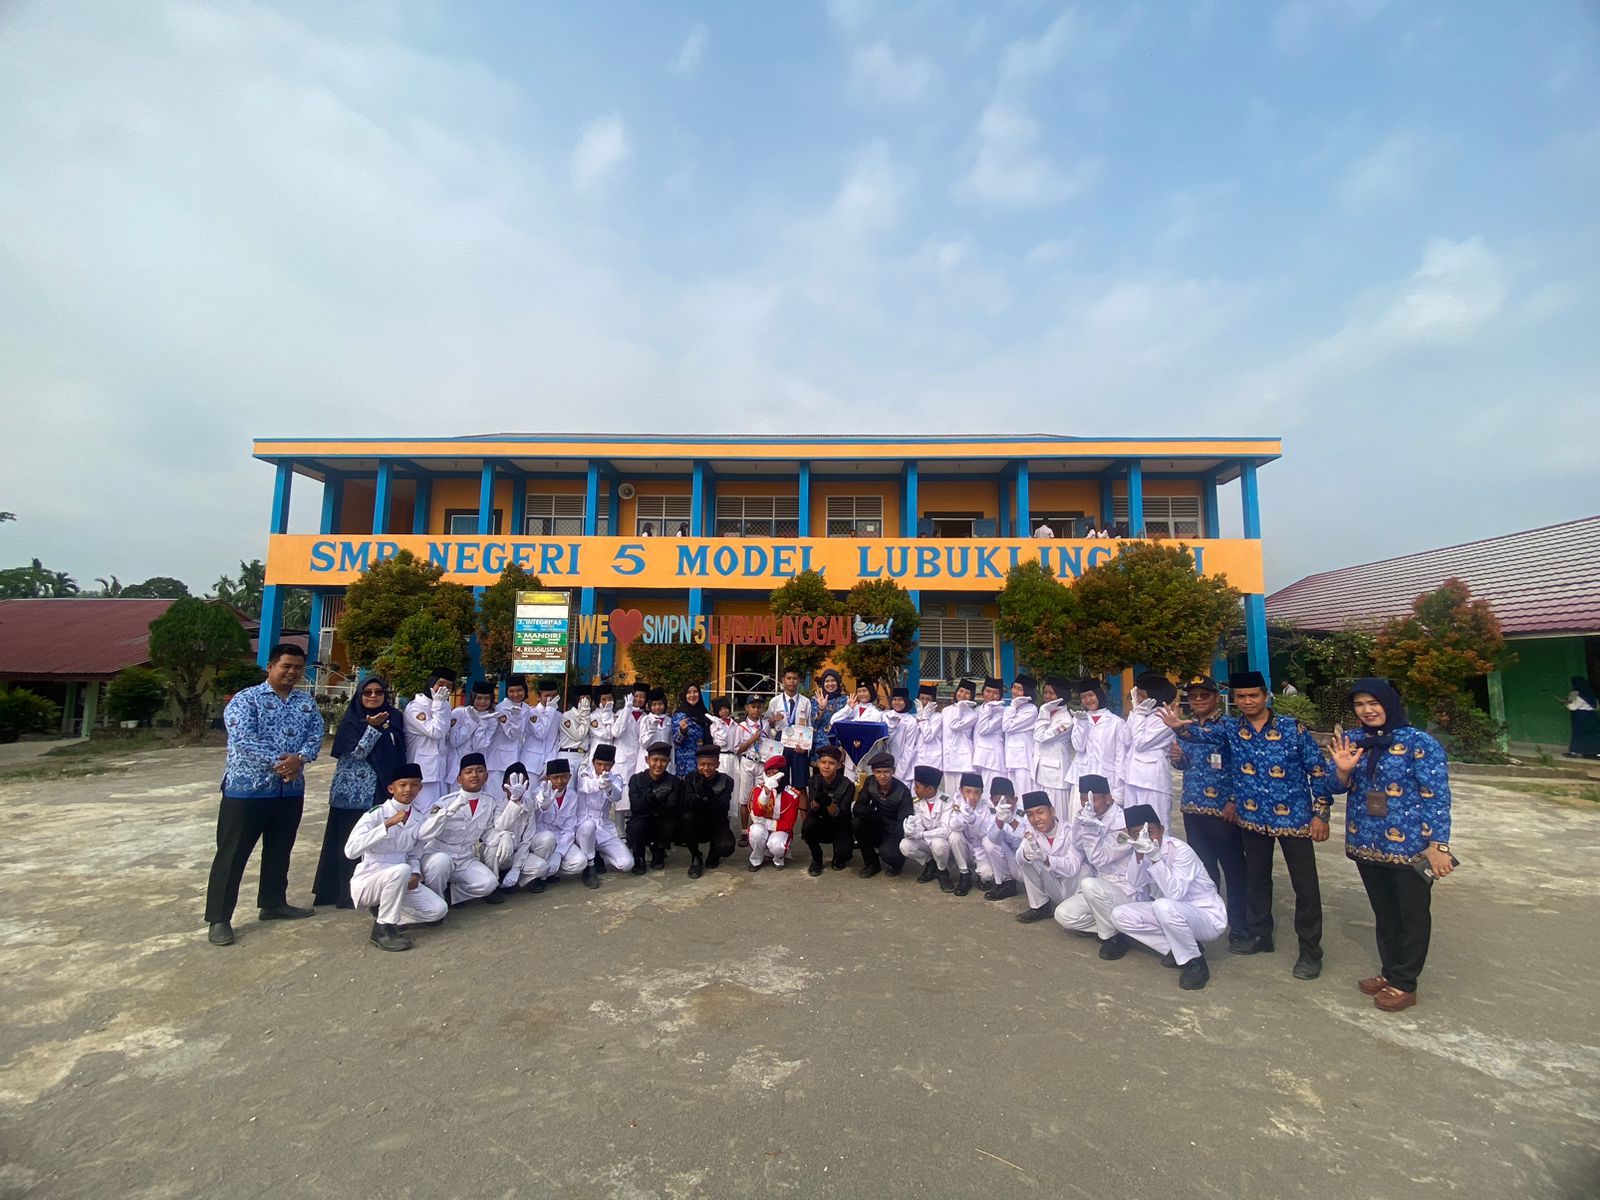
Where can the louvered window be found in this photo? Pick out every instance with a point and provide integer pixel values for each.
(953, 649)
(855, 516)
(758, 516)
(1164, 516)
(663, 514)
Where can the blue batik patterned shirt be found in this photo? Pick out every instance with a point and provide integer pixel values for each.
(1207, 785)
(262, 728)
(1280, 776)
(1411, 780)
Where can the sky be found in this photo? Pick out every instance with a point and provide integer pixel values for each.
(1370, 228)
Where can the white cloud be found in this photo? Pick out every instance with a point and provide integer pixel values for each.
(897, 79)
(1391, 172)
(691, 52)
(1010, 170)
(1026, 58)
(851, 15)
(871, 197)
(601, 149)
(1458, 287)
(1298, 25)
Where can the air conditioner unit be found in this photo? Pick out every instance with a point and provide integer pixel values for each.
(625, 490)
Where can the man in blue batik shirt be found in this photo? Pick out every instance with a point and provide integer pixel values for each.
(1210, 817)
(273, 732)
(1282, 792)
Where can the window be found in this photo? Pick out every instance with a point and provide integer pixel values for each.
(463, 522)
(557, 515)
(950, 524)
(1164, 516)
(955, 648)
(662, 513)
(855, 516)
(758, 516)
(1063, 525)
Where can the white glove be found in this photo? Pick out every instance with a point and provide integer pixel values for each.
(1003, 812)
(518, 790)
(1031, 851)
(512, 876)
(545, 800)
(913, 825)
(1153, 856)
(455, 806)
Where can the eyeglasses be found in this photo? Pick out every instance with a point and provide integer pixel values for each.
(373, 692)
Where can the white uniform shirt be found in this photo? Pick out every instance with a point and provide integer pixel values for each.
(795, 710)
(989, 737)
(1099, 741)
(1178, 875)
(1021, 714)
(957, 723)
(470, 732)
(930, 738)
(1052, 741)
(428, 734)
(378, 847)
(902, 739)
(455, 827)
(1146, 765)
(509, 734)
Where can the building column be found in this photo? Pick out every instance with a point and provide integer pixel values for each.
(805, 500)
(271, 594)
(1251, 497)
(332, 501)
(914, 666)
(697, 500)
(91, 705)
(424, 501)
(591, 500)
(909, 512)
(1208, 504)
(519, 505)
(1497, 707)
(485, 529)
(1003, 505)
(608, 647)
(69, 710)
(1135, 498)
(1024, 521)
(380, 498)
(1108, 502)
(1255, 606)
(1008, 665)
(314, 636)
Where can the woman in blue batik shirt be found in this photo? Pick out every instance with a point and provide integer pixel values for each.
(830, 700)
(1397, 820)
(691, 729)
(370, 745)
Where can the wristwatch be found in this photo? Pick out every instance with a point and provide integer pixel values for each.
(1442, 847)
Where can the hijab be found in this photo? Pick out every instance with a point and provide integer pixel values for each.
(696, 712)
(1376, 741)
(1585, 692)
(388, 753)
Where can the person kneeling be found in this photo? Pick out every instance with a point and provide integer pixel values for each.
(709, 793)
(828, 811)
(1187, 912)
(879, 814)
(452, 832)
(505, 844)
(389, 875)
(1100, 838)
(599, 788)
(1047, 861)
(774, 807)
(927, 835)
(655, 806)
(557, 811)
(969, 823)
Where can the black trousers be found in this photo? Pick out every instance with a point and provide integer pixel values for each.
(1220, 850)
(334, 870)
(240, 825)
(716, 836)
(1402, 904)
(1300, 856)
(821, 827)
(880, 846)
(798, 765)
(650, 832)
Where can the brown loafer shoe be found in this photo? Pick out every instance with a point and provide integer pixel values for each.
(1393, 1000)
(1371, 987)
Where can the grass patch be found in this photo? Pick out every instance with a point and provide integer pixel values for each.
(38, 771)
(1579, 793)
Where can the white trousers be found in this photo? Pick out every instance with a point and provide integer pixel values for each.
(467, 878)
(969, 855)
(1042, 884)
(952, 781)
(1002, 859)
(1092, 907)
(549, 853)
(600, 837)
(924, 846)
(1022, 779)
(1169, 925)
(1159, 799)
(389, 887)
(1060, 799)
(764, 841)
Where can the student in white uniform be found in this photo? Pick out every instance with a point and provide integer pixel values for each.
(599, 789)
(573, 739)
(428, 738)
(1186, 910)
(1053, 770)
(749, 753)
(602, 720)
(471, 728)
(652, 729)
(510, 732)
(1021, 715)
(1099, 736)
(957, 723)
(927, 835)
(989, 733)
(1147, 764)
(861, 708)
(1004, 839)
(930, 736)
(1046, 862)
(557, 811)
(389, 874)
(450, 835)
(790, 709)
(724, 736)
(969, 823)
(505, 842)
(1099, 834)
(625, 736)
(902, 723)
(544, 727)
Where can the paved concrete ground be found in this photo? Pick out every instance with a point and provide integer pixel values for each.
(753, 1035)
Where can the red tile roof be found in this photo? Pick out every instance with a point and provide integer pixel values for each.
(1540, 581)
(76, 638)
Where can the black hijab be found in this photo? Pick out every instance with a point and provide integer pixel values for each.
(696, 712)
(1376, 741)
(388, 753)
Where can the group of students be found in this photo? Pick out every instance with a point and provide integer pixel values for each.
(1057, 797)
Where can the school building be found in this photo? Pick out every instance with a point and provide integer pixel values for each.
(669, 525)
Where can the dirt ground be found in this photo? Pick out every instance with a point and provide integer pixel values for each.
(751, 1035)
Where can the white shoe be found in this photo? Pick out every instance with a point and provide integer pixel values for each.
(778, 863)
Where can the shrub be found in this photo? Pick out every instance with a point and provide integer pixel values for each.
(22, 711)
(136, 694)
(670, 666)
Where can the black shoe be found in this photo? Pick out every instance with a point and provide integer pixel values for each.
(697, 865)
(1194, 974)
(388, 937)
(744, 841)
(591, 877)
(637, 869)
(599, 865)
(1168, 961)
(756, 866)
(1114, 947)
(346, 904)
(929, 870)
(946, 884)
(814, 870)
(964, 883)
(839, 864)
(1043, 913)
(868, 871)
(373, 909)
(1306, 967)
(286, 912)
(713, 862)
(893, 870)
(538, 885)
(220, 934)
(495, 897)
(658, 860)
(1251, 945)
(1002, 891)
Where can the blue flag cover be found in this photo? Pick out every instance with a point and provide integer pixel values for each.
(859, 739)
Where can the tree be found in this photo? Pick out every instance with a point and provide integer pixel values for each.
(296, 608)
(877, 601)
(244, 593)
(377, 604)
(422, 643)
(806, 595)
(497, 612)
(157, 587)
(22, 711)
(1038, 615)
(35, 582)
(109, 588)
(1148, 605)
(189, 643)
(7, 516)
(235, 677)
(1435, 654)
(136, 694)
(670, 666)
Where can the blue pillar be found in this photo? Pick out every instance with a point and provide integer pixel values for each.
(586, 608)
(1208, 501)
(697, 500)
(281, 487)
(380, 498)
(914, 667)
(424, 501)
(1108, 503)
(1003, 507)
(608, 648)
(711, 505)
(1252, 500)
(272, 594)
(805, 500)
(696, 602)
(486, 500)
(1024, 522)
(519, 505)
(1008, 663)
(908, 502)
(1135, 498)
(591, 502)
(614, 516)
(1255, 635)
(314, 636)
(332, 498)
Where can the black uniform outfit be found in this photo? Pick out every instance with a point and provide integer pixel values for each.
(879, 823)
(705, 822)
(822, 825)
(655, 808)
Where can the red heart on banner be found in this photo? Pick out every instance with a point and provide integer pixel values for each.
(626, 624)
